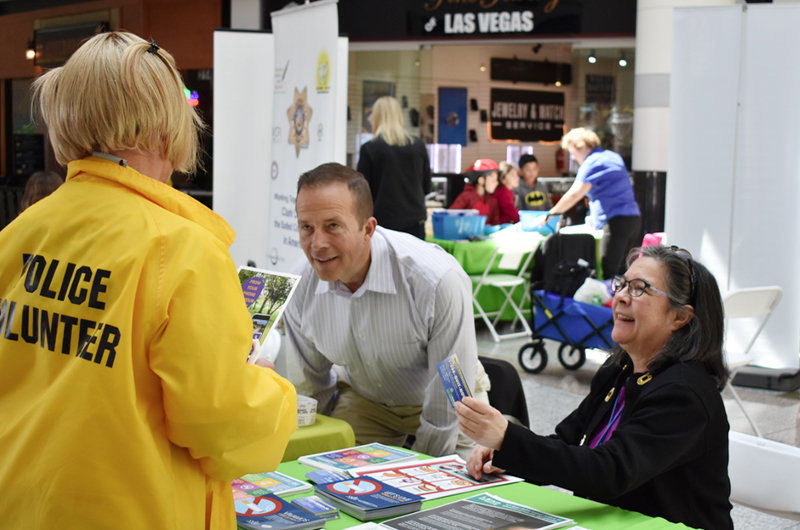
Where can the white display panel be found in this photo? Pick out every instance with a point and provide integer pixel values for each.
(244, 66)
(733, 180)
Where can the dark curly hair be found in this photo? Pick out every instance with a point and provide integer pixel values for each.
(700, 340)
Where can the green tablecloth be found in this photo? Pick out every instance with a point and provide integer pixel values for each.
(327, 434)
(588, 514)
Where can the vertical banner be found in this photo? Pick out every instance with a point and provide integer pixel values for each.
(304, 115)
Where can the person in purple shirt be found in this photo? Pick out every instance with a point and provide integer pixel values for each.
(603, 178)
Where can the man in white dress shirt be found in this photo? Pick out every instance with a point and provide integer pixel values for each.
(384, 307)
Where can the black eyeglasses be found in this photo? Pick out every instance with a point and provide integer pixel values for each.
(687, 259)
(636, 287)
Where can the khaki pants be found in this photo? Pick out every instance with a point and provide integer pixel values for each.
(375, 422)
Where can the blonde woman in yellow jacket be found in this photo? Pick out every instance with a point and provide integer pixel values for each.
(125, 397)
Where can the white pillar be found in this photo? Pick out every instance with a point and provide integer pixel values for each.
(651, 104)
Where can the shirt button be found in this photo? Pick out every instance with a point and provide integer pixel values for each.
(355, 303)
(369, 363)
(380, 385)
(360, 335)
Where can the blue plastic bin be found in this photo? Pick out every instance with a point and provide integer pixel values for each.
(528, 221)
(458, 224)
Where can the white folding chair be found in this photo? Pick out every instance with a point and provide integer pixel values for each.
(755, 302)
(513, 253)
(765, 475)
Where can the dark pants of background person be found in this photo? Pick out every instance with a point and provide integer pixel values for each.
(620, 235)
(416, 230)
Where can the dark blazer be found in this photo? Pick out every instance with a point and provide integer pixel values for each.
(668, 456)
(399, 178)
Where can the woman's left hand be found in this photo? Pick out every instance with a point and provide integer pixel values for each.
(481, 422)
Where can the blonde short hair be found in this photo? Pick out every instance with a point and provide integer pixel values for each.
(113, 94)
(580, 137)
(387, 122)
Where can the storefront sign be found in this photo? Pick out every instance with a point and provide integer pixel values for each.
(445, 19)
(526, 115)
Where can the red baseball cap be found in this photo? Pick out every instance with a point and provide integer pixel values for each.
(484, 165)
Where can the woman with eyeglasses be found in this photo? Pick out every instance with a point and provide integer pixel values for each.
(652, 435)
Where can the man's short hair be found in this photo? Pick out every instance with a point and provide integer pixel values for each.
(525, 159)
(118, 92)
(333, 173)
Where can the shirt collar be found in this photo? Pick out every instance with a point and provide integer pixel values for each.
(165, 196)
(380, 276)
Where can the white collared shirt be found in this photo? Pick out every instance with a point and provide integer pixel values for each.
(413, 310)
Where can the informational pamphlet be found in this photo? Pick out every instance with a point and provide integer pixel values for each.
(256, 484)
(367, 499)
(480, 512)
(434, 478)
(269, 512)
(455, 386)
(355, 457)
(267, 294)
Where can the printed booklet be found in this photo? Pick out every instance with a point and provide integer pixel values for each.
(272, 512)
(480, 512)
(266, 294)
(344, 460)
(367, 499)
(455, 386)
(433, 478)
(256, 484)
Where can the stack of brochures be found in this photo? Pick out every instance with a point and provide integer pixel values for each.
(272, 512)
(479, 513)
(355, 457)
(317, 507)
(257, 484)
(367, 499)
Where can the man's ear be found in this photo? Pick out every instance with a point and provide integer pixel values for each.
(369, 227)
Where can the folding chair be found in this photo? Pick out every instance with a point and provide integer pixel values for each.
(765, 475)
(755, 302)
(513, 252)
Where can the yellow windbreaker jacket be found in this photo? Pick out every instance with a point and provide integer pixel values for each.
(125, 400)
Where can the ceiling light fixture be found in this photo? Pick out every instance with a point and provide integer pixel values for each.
(622, 62)
(30, 51)
(592, 57)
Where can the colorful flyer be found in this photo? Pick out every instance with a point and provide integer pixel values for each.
(452, 378)
(434, 478)
(355, 457)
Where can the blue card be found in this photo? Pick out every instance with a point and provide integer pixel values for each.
(452, 378)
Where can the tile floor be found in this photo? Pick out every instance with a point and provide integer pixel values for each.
(555, 392)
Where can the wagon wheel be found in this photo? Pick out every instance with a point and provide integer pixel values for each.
(572, 359)
(533, 357)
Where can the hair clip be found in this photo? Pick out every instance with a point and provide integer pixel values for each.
(153, 48)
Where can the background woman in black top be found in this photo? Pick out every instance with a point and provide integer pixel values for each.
(398, 171)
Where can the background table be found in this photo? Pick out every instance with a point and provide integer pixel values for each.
(327, 434)
(474, 257)
(586, 513)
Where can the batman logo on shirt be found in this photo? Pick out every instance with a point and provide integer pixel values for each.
(535, 198)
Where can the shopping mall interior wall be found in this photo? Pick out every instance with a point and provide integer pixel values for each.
(380, 70)
(460, 66)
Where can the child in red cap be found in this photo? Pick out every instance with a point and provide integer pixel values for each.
(481, 182)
